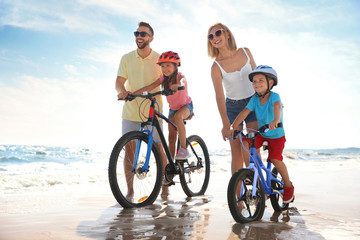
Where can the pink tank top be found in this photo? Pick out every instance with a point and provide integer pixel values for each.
(180, 98)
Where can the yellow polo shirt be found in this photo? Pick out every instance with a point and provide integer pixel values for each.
(139, 72)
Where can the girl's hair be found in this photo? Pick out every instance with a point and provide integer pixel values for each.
(231, 43)
(170, 79)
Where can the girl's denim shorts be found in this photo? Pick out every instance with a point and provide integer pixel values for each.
(234, 107)
(189, 106)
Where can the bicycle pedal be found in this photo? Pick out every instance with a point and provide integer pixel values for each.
(168, 184)
(180, 160)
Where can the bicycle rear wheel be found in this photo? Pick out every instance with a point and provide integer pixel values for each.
(195, 173)
(131, 185)
(276, 199)
(242, 206)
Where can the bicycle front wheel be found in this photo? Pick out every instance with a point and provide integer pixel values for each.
(243, 206)
(132, 183)
(195, 173)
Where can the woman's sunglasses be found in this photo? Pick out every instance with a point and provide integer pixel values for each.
(142, 34)
(217, 33)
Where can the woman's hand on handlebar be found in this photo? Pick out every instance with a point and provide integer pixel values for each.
(229, 134)
(224, 132)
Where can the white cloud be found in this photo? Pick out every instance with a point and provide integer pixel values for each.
(71, 69)
(108, 54)
(54, 16)
(55, 111)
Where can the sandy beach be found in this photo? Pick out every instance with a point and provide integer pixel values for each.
(326, 207)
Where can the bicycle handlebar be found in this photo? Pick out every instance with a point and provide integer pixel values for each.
(149, 95)
(262, 129)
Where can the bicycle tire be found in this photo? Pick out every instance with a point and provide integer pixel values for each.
(276, 199)
(146, 185)
(244, 209)
(195, 174)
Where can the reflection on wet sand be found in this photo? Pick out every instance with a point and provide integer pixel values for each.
(278, 228)
(190, 219)
(173, 219)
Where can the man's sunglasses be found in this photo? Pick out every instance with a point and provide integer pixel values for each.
(142, 34)
(217, 33)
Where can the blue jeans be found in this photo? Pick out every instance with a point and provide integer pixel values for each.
(189, 106)
(234, 107)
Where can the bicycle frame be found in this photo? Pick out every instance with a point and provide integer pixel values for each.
(153, 122)
(256, 165)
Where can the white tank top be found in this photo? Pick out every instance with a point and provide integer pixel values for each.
(237, 84)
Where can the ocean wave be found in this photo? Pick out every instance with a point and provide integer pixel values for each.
(323, 154)
(45, 175)
(18, 154)
(13, 160)
(26, 167)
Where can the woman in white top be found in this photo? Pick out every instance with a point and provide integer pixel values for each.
(230, 71)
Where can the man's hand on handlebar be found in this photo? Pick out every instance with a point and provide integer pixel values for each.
(123, 95)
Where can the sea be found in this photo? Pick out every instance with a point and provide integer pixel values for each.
(34, 167)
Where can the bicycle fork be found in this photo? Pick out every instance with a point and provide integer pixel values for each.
(145, 167)
(253, 168)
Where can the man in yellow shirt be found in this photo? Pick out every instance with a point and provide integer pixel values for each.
(137, 69)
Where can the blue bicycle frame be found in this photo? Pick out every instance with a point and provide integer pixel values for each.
(256, 165)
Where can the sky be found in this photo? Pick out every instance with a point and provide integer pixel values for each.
(59, 60)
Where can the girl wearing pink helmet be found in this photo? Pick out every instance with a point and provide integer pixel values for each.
(180, 102)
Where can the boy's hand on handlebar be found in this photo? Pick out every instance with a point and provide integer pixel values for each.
(273, 125)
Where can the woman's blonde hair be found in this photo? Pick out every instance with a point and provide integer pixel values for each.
(231, 43)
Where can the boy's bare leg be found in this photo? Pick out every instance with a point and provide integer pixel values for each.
(281, 167)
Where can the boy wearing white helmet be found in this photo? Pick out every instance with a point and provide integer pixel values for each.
(268, 109)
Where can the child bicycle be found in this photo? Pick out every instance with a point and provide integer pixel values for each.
(249, 189)
(136, 165)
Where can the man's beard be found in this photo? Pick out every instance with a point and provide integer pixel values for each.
(142, 45)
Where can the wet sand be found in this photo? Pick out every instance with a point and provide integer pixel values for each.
(325, 208)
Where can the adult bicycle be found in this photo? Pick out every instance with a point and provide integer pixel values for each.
(136, 167)
(250, 187)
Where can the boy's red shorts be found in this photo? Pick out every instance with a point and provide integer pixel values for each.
(276, 146)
